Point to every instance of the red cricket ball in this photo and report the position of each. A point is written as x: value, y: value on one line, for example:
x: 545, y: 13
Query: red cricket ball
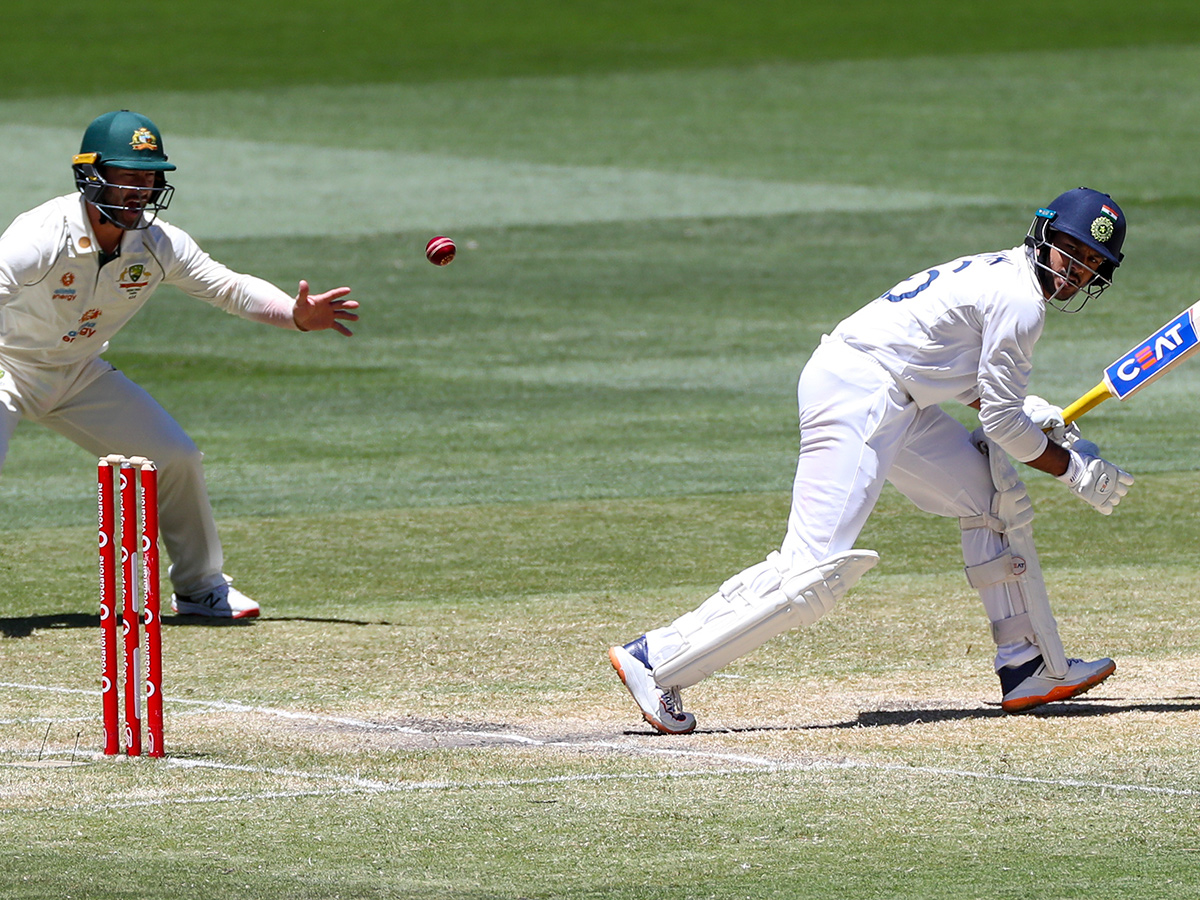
x: 440, y: 250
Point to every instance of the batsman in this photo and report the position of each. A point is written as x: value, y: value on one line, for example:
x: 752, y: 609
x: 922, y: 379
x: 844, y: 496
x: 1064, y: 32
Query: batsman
x: 73, y: 272
x: 870, y: 412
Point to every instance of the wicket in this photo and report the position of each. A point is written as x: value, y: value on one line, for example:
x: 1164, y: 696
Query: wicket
x: 139, y: 602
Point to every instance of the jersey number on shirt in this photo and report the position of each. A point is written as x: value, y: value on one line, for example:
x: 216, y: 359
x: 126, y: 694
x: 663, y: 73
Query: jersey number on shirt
x: 922, y: 280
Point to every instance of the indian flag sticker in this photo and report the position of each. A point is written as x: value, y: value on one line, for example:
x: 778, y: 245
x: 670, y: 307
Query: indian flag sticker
x: 1110, y: 212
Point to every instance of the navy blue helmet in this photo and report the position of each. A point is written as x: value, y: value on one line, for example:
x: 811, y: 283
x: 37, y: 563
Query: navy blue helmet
x: 1090, y: 217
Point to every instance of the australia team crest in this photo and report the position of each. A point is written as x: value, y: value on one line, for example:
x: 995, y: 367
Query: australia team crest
x: 133, y: 279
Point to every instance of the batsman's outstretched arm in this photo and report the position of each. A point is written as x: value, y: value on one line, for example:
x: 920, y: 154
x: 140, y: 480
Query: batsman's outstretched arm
x: 317, y: 312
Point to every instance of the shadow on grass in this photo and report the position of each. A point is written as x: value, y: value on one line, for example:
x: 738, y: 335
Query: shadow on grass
x: 1081, y: 708
x: 26, y: 626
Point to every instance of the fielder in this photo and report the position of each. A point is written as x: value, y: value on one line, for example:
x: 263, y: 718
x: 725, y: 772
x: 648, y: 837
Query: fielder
x: 869, y: 413
x: 73, y: 271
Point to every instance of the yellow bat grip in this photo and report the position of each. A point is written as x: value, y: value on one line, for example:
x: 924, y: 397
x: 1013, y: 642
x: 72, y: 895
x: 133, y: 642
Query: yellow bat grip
x: 1087, y: 402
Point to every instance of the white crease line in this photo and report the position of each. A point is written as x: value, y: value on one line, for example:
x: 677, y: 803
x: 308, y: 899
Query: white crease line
x: 630, y: 747
x: 1026, y: 779
x: 492, y: 735
x: 235, y: 707
x: 353, y: 780
x: 410, y: 787
x: 366, y: 725
x: 380, y: 788
x: 755, y: 763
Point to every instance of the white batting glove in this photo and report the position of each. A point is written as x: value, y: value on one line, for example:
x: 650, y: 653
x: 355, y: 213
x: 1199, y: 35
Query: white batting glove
x: 1049, y: 418
x: 1096, y: 481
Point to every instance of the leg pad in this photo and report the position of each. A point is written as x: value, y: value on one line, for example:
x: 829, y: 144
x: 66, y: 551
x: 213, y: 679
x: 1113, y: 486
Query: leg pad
x: 751, y: 609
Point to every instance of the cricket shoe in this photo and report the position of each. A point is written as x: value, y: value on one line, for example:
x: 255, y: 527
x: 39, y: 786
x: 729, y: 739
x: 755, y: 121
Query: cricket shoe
x: 1030, y: 685
x: 662, y: 709
x: 224, y: 602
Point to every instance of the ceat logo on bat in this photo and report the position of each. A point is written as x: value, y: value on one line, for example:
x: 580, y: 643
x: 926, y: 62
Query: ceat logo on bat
x: 1150, y: 357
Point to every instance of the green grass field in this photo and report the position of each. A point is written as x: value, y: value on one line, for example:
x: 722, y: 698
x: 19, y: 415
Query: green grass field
x: 581, y: 427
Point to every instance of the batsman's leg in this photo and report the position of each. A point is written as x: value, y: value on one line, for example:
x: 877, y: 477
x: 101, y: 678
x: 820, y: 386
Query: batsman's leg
x: 943, y: 472
x: 849, y: 431
x: 1051, y: 676
x: 749, y: 609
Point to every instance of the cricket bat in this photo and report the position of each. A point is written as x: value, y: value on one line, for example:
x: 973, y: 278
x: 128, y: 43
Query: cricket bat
x: 1147, y: 362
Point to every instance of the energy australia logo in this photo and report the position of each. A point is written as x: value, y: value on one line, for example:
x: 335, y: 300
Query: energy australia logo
x: 1174, y: 340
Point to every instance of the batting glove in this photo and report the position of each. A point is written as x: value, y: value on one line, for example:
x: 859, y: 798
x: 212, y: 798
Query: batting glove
x: 1049, y: 418
x: 1094, y: 480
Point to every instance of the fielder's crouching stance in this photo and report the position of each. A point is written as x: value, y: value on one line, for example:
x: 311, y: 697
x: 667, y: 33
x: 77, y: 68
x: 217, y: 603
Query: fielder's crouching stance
x: 73, y: 272
x: 869, y: 413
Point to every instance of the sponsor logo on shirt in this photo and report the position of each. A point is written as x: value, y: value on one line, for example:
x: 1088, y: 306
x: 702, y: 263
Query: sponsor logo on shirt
x: 67, y: 292
x: 86, y: 327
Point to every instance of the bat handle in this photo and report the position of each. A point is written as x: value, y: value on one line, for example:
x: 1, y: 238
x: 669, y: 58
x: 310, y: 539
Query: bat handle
x: 1087, y: 402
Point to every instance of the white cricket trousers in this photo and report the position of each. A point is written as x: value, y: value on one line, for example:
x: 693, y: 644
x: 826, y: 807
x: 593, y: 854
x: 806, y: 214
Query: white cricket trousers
x: 859, y: 429
x: 104, y: 412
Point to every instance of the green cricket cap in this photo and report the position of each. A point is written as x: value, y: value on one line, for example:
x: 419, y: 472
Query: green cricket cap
x: 124, y: 140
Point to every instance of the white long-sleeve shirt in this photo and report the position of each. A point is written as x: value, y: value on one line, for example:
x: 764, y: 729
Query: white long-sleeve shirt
x: 964, y: 331
x: 60, y: 307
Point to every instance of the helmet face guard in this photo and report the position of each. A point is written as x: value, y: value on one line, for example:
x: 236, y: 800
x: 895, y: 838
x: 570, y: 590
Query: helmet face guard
x: 1094, y: 220
x: 1040, y: 239
x: 98, y: 190
x: 122, y: 140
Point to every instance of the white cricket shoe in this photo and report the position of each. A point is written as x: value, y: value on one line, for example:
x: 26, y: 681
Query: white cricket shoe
x: 1031, y: 685
x: 224, y: 601
x: 662, y: 709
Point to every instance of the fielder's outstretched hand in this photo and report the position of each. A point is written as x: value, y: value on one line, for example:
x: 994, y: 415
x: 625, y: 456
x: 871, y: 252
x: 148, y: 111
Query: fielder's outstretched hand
x: 317, y: 312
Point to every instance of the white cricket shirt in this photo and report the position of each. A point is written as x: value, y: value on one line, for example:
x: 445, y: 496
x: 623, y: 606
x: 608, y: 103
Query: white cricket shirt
x: 59, y: 307
x: 964, y: 331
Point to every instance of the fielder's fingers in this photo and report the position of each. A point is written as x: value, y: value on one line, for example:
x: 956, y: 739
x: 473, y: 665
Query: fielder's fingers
x: 332, y: 296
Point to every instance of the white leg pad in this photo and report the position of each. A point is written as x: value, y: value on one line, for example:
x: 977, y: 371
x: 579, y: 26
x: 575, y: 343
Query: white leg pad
x: 751, y: 608
x: 1019, y: 566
